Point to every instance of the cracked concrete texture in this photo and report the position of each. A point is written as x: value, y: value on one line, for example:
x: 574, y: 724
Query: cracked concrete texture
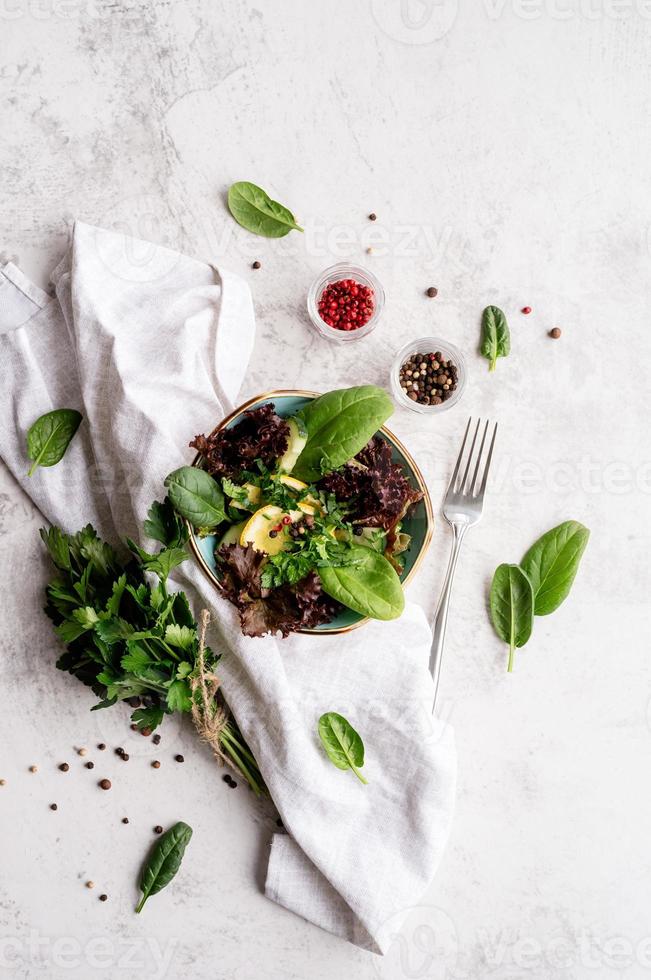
x: 505, y: 150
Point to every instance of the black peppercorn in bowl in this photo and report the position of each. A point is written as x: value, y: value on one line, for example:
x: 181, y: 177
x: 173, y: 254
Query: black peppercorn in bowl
x: 428, y: 375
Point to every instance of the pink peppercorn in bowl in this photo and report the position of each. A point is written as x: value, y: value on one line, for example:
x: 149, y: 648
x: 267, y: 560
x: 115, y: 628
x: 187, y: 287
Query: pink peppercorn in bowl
x: 428, y: 347
x: 345, y: 303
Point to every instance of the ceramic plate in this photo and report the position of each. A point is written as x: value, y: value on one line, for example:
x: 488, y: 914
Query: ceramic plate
x: 418, y: 524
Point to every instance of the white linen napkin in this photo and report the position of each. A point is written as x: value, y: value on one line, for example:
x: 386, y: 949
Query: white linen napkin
x: 152, y: 348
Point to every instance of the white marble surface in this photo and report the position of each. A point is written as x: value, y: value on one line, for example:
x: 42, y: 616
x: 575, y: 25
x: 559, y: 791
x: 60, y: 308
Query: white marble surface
x: 505, y: 149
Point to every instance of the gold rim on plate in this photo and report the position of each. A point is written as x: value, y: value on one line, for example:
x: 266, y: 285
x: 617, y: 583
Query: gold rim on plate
x: 429, y: 513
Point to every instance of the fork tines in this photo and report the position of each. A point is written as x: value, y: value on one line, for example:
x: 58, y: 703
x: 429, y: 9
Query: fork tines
x: 468, y: 486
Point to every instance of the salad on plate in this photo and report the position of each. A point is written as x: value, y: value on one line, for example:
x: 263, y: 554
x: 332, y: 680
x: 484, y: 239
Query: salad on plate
x: 304, y: 514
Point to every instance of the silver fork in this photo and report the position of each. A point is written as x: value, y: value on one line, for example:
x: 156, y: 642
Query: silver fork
x: 462, y: 509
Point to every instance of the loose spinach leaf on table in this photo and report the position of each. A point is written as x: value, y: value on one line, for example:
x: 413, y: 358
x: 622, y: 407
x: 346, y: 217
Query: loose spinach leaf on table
x: 196, y: 496
x: 342, y: 743
x: 511, y: 607
x: 339, y: 424
x: 50, y: 435
x: 495, y: 335
x: 368, y: 584
x: 254, y: 210
x: 164, y: 861
x: 552, y: 562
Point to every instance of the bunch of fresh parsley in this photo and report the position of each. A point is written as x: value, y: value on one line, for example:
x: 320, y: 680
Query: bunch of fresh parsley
x: 126, y: 635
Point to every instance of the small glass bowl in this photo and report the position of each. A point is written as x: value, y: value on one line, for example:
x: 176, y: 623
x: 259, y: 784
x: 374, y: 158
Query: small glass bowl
x: 427, y: 345
x: 345, y: 271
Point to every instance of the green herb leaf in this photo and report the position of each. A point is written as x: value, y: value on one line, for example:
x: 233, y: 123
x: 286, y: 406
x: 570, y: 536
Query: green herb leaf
x: 147, y: 717
x: 339, y: 424
x: 50, y: 435
x: 342, y: 743
x: 234, y: 491
x: 164, y: 524
x: 196, y: 496
x: 180, y: 636
x: 369, y: 584
x: 164, y: 861
x: 511, y: 607
x: 495, y: 335
x: 57, y: 545
x: 178, y: 696
x: 161, y: 564
x: 254, y: 210
x: 136, y: 660
x: 552, y: 562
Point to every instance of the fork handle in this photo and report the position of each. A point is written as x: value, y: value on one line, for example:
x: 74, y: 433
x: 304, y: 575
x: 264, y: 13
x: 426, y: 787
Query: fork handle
x: 441, y: 615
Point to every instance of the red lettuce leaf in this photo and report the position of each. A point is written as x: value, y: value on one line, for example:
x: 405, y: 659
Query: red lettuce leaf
x: 378, y: 491
x: 261, y: 434
x: 283, y: 610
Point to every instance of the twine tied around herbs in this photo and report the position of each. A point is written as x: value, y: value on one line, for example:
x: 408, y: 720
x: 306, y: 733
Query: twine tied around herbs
x: 210, y: 715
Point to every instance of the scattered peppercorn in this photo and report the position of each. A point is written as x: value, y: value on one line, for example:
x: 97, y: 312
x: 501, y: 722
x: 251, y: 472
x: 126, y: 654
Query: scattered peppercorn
x: 369, y: 250
x: 372, y: 216
x: 90, y: 884
x: 158, y: 829
x: 105, y: 783
x: 227, y: 778
x: 133, y: 727
x: 273, y: 533
x: 432, y: 291
x: 82, y: 752
x: 53, y: 806
x: 526, y: 309
x: 3, y: 782
x: 125, y: 820
x: 346, y: 304
x: 156, y: 739
x: 125, y: 756
x: 103, y: 898
x: 119, y: 751
x: 555, y: 333
x: 256, y: 264
x: 233, y: 784
x: 101, y: 746
x: 146, y: 732
x: 33, y: 768
x: 90, y: 765
x: 428, y: 378
x: 64, y: 767
x: 155, y: 764
x: 179, y: 758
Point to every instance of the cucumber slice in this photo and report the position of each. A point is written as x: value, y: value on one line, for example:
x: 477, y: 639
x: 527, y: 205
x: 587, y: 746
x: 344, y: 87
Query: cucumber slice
x: 296, y: 445
x: 231, y: 536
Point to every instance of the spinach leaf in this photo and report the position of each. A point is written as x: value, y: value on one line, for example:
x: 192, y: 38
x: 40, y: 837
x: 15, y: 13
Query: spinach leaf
x: 368, y: 584
x: 254, y: 210
x: 164, y: 861
x: 511, y: 607
x: 495, y: 335
x: 342, y: 743
x: 196, y: 496
x: 49, y: 437
x: 339, y: 424
x: 552, y: 563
